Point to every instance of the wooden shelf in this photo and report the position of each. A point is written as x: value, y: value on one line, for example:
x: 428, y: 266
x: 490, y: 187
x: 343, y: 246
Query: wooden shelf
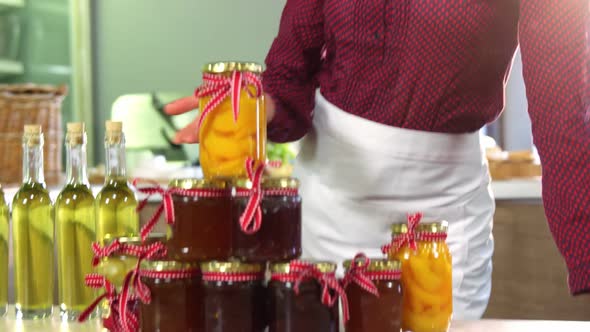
x: 10, y: 67
x: 12, y: 4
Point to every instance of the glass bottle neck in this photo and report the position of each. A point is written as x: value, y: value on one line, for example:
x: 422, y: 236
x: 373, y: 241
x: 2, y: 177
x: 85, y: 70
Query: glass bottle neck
x: 33, y: 163
x: 115, y: 160
x: 76, y: 164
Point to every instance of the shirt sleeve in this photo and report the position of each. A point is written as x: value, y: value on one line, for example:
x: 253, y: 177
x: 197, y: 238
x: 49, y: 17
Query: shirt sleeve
x: 291, y: 67
x: 556, y: 58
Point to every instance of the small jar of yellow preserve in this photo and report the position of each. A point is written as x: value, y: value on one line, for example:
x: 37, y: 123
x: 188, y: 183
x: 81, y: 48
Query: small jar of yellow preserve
x: 426, y: 274
x: 121, y: 258
x: 232, y: 120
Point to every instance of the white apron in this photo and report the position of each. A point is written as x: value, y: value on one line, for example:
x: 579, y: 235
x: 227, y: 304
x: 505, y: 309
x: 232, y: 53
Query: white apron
x: 358, y: 177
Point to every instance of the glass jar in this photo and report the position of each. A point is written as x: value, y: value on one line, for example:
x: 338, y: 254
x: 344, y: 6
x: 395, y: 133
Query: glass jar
x: 426, y: 277
x: 176, y: 297
x: 229, y: 136
x: 119, y: 263
x: 233, y: 297
x: 202, y: 228
x: 279, y: 236
x: 290, y: 310
x: 380, y: 311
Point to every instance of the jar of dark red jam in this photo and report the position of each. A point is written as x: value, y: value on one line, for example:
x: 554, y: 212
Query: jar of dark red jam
x: 279, y: 236
x: 377, y: 306
x: 202, y: 228
x: 233, y: 297
x: 176, y: 297
x: 292, y: 309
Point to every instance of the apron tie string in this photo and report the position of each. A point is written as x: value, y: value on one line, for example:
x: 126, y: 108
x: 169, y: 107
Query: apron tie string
x: 219, y: 87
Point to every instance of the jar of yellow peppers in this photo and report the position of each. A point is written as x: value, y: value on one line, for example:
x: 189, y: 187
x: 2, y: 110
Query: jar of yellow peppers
x: 426, y: 274
x: 232, y: 120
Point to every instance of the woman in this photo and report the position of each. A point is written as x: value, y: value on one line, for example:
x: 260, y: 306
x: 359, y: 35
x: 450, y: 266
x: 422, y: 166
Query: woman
x: 404, y: 87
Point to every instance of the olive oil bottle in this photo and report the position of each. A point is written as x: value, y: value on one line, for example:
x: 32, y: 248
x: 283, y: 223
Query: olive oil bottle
x: 32, y: 234
x: 3, y: 254
x: 74, y: 228
x: 115, y: 204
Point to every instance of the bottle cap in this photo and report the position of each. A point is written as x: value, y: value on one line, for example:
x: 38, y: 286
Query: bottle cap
x: 114, y: 126
x: 75, y: 127
x: 33, y: 129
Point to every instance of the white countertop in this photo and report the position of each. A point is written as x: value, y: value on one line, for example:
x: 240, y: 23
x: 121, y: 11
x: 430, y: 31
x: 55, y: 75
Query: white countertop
x: 55, y: 325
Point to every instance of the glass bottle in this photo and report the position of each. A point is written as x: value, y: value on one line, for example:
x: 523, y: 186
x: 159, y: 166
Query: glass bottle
x: 3, y: 254
x: 116, y: 203
x: 33, y: 234
x: 75, y: 228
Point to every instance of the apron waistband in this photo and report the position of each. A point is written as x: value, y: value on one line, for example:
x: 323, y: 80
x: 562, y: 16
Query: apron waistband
x: 393, y: 141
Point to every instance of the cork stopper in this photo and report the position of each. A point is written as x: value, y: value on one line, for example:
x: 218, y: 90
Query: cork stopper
x: 76, y: 127
x: 114, y: 126
x: 33, y: 129
x: 75, y: 133
x: 33, y: 135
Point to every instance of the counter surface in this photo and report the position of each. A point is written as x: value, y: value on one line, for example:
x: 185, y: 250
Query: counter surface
x: 529, y: 189
x: 7, y: 324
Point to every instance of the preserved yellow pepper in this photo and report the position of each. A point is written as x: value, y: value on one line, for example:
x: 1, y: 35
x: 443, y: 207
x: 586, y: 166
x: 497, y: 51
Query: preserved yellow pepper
x: 231, y: 134
x: 426, y: 276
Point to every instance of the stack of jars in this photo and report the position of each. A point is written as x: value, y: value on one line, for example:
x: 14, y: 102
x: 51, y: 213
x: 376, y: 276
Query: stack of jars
x: 234, y: 243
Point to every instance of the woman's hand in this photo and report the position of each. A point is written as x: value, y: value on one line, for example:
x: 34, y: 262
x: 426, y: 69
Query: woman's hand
x: 190, y: 133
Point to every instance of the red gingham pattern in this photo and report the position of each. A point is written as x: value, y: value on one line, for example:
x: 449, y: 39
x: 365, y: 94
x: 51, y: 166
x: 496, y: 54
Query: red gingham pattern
x: 358, y: 274
x: 153, y: 250
x: 167, y: 205
x: 251, y: 218
x: 133, y: 282
x: 219, y: 87
x: 114, y: 322
x: 281, y: 192
x: 441, y: 66
x: 303, y: 271
x: 172, y: 274
x: 232, y: 276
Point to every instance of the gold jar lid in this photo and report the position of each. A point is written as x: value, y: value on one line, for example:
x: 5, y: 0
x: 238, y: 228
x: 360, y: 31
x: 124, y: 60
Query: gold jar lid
x: 136, y: 240
x: 377, y: 265
x: 426, y: 227
x: 224, y: 67
x: 280, y: 183
x: 322, y: 266
x: 231, y: 267
x: 159, y: 265
x: 197, y: 184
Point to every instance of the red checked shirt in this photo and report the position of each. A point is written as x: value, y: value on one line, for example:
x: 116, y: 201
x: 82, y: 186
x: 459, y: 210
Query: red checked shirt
x: 441, y: 65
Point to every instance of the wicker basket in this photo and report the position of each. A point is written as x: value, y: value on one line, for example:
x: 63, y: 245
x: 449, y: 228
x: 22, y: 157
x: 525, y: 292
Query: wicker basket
x: 30, y: 104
